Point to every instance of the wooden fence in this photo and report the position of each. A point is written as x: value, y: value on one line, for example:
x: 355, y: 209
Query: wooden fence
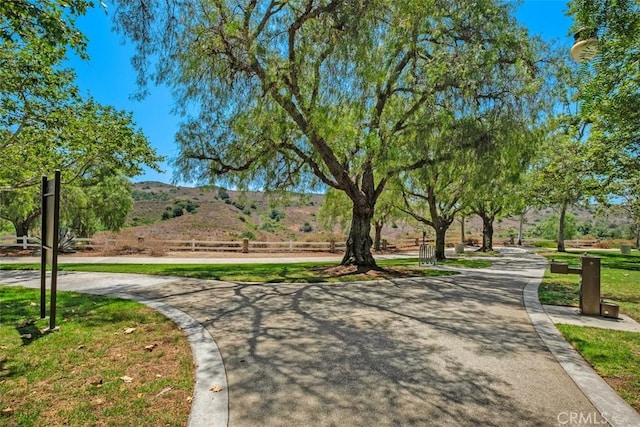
x: 243, y: 246
x: 23, y: 242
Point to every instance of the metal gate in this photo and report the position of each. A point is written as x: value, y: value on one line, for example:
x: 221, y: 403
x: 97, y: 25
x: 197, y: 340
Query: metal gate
x: 427, y: 255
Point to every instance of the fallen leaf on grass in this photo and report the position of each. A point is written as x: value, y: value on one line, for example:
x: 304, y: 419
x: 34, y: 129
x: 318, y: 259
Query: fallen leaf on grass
x: 150, y: 347
x: 96, y: 383
x: 158, y: 375
x: 126, y: 379
x: 129, y: 330
x: 33, y: 304
x: 80, y: 347
x: 216, y: 389
x: 7, y: 411
x: 163, y: 391
x: 189, y: 399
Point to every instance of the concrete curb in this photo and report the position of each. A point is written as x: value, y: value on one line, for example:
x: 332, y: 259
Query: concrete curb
x: 611, y: 406
x: 208, y: 409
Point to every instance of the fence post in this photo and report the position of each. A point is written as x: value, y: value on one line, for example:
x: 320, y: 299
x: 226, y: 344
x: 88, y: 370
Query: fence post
x: 332, y: 246
x: 25, y: 240
x: 193, y: 245
x: 245, y: 246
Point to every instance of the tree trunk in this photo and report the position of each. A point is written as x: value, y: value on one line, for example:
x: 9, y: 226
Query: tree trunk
x: 378, y: 234
x: 563, y: 213
x: 487, y: 233
x: 22, y: 226
x: 638, y: 236
x: 441, y: 232
x: 520, y: 227
x: 358, y: 250
x: 462, y: 230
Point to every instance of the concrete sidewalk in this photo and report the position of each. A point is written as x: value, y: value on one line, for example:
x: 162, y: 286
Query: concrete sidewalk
x: 456, y: 350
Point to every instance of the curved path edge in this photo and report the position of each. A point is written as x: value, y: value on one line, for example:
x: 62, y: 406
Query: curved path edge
x: 611, y: 406
x: 208, y: 408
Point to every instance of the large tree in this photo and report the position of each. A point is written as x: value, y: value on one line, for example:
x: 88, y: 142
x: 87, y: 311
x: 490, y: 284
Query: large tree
x: 319, y: 92
x: 609, y: 83
x: 35, y: 37
x: 94, y: 146
x: 336, y: 208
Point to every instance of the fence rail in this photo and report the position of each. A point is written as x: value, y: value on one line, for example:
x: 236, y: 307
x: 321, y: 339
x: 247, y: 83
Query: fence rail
x: 23, y: 242
x: 192, y: 245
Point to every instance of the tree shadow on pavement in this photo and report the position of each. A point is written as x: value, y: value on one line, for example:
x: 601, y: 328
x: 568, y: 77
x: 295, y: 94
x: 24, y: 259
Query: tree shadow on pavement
x: 424, y: 351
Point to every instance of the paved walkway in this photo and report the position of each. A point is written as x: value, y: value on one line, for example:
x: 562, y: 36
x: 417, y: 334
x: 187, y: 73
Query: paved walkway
x: 456, y: 350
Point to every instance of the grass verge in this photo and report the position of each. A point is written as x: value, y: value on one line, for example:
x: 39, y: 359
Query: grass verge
x: 309, y: 272
x: 620, y: 281
x: 613, y: 354
x: 91, y: 372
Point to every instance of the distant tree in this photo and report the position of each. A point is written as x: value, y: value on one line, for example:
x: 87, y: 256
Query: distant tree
x: 564, y: 172
x: 548, y: 227
x: 94, y: 147
x: 434, y: 196
x: 627, y: 191
x: 87, y: 205
x: 306, y: 93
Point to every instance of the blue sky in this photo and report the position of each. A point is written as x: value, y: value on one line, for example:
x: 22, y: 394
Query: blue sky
x: 109, y: 77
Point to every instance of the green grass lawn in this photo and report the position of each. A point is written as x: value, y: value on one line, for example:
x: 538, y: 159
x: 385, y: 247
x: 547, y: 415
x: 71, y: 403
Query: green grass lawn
x: 308, y: 272
x: 620, y: 280
x: 615, y: 355
x: 75, y: 376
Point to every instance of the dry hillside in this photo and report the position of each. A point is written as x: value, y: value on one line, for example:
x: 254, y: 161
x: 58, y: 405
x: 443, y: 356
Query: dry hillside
x: 212, y: 213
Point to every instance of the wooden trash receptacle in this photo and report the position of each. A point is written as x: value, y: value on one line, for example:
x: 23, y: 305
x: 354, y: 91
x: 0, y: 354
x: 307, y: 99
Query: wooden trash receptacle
x: 609, y: 309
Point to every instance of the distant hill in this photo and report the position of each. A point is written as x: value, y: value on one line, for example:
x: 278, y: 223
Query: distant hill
x: 213, y: 213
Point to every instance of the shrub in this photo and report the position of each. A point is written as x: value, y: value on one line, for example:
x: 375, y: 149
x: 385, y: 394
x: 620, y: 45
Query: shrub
x: 276, y: 215
x: 222, y: 193
x: 243, y: 219
x: 190, y: 206
x: 268, y: 226
x: 307, y: 228
x: 248, y: 235
x: 603, y: 244
x: 178, y: 211
x: 227, y: 201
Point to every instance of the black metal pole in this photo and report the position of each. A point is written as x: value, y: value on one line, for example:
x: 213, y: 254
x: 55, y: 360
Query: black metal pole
x: 54, y: 250
x: 43, y: 250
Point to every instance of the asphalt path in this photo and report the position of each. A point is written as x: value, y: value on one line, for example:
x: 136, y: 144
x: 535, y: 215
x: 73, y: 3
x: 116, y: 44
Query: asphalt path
x: 445, y: 351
